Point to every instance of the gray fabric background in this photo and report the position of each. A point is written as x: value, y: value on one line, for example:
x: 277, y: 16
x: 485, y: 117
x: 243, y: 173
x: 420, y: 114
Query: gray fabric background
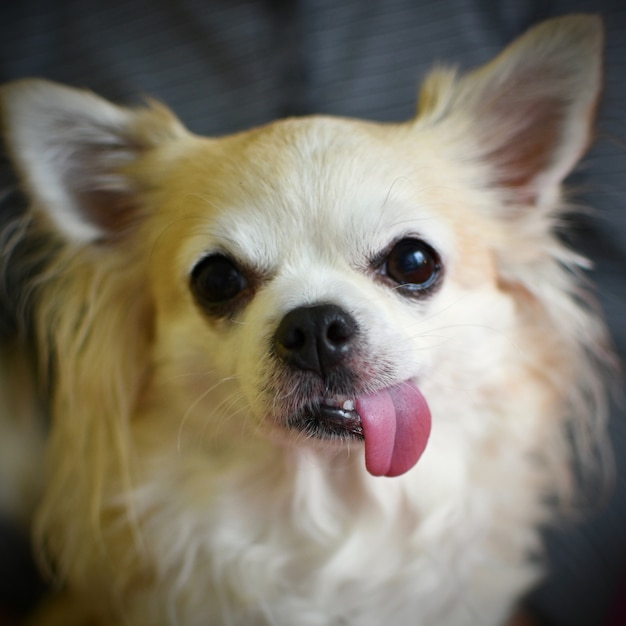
x: 225, y: 65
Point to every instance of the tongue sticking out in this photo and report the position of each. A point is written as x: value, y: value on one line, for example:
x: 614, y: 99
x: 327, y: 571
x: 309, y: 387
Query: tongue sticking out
x: 396, y: 426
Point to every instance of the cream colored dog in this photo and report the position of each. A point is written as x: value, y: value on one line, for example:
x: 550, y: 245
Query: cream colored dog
x: 320, y: 373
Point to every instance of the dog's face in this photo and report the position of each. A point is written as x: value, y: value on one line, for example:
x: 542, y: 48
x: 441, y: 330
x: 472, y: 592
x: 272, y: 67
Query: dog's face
x: 317, y: 271
x: 325, y: 281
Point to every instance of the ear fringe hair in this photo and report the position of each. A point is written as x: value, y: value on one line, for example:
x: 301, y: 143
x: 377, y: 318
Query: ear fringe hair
x: 94, y: 326
x: 560, y: 305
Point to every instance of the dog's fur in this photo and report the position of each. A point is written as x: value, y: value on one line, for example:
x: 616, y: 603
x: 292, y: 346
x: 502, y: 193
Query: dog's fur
x: 178, y: 489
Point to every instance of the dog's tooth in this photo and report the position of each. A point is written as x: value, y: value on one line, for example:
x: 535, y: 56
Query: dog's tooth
x: 348, y: 405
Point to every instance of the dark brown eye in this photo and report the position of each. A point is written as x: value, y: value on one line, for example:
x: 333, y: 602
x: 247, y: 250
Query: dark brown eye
x: 413, y: 265
x: 216, y: 281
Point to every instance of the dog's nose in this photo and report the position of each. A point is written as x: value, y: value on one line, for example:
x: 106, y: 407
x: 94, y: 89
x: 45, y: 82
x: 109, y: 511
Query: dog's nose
x: 315, y: 337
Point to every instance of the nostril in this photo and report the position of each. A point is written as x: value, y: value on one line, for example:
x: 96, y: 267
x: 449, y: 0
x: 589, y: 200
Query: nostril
x: 339, y: 332
x: 293, y: 338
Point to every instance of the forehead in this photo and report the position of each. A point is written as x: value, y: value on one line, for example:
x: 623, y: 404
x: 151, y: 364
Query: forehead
x: 322, y: 183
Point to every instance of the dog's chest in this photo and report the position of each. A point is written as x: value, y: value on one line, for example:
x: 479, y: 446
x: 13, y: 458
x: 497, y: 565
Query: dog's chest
x: 320, y: 548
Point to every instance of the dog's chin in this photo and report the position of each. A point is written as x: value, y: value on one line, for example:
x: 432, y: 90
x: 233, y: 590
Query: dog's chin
x: 332, y: 421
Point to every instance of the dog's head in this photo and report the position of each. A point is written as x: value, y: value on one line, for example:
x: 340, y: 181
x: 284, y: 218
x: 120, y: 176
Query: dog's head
x: 326, y: 278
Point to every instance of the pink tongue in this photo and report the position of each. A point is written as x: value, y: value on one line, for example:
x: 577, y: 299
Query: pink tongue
x: 396, y: 426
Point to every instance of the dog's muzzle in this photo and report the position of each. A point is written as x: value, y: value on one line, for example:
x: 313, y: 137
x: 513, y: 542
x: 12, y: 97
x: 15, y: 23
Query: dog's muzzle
x: 320, y: 342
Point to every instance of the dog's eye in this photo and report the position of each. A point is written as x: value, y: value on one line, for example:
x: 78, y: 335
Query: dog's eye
x: 413, y: 264
x: 216, y: 281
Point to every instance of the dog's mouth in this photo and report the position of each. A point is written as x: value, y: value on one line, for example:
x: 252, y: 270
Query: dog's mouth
x: 329, y: 419
x: 394, y: 424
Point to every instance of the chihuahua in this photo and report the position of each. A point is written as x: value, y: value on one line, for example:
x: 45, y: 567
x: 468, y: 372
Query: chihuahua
x: 324, y: 372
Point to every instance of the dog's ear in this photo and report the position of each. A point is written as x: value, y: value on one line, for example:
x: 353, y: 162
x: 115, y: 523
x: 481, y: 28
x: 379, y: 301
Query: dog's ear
x: 530, y: 111
x: 73, y: 151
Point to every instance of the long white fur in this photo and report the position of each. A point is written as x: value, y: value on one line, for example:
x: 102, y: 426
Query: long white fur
x: 172, y: 495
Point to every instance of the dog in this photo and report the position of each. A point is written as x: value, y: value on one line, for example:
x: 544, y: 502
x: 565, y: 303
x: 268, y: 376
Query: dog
x: 322, y: 372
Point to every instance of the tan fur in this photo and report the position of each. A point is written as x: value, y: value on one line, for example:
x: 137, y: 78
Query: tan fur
x: 174, y: 493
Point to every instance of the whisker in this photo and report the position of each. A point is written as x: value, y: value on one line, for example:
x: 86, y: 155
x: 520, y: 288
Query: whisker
x: 194, y: 404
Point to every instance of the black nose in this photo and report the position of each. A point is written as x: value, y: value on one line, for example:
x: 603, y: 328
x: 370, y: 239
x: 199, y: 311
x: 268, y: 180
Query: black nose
x: 315, y: 337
